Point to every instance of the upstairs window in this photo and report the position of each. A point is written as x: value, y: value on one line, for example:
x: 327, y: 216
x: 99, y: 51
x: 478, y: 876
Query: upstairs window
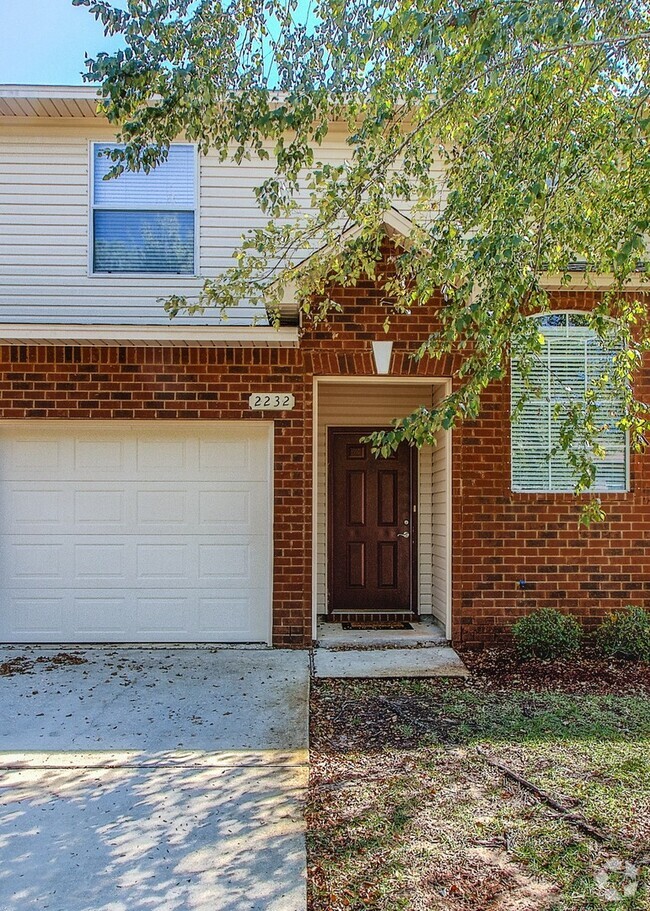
x: 144, y: 223
x: 572, y: 359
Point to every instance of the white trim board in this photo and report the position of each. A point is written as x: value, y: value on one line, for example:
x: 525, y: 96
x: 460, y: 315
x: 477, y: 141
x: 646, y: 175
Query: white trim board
x: 438, y: 386
x: 148, y: 336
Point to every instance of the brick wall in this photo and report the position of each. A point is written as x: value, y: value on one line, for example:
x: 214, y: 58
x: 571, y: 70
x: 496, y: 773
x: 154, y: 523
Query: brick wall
x: 502, y: 537
x: 186, y: 384
x: 498, y: 537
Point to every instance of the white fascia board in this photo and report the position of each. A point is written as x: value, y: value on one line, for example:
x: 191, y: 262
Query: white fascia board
x: 154, y: 336
x: 591, y: 281
x: 45, y: 92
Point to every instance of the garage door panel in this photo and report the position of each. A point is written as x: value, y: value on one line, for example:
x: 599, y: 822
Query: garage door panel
x: 234, y: 459
x: 33, y: 616
x: 122, y: 451
x: 76, y: 563
x: 103, y: 457
x: 39, y: 559
x: 128, y: 533
x: 244, y: 509
x: 99, y: 561
x: 165, y: 616
x: 163, y: 507
x: 67, y: 562
x: 224, y: 616
x: 32, y: 457
x: 163, y: 562
x: 98, y: 508
x: 102, y: 617
x: 31, y: 508
x: 134, y: 508
x: 161, y: 457
x: 227, y: 616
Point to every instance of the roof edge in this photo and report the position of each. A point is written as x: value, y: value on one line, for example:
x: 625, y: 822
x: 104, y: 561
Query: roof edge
x: 17, y: 90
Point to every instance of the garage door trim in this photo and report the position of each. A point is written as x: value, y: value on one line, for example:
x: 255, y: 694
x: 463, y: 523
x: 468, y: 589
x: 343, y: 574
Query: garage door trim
x: 260, y: 441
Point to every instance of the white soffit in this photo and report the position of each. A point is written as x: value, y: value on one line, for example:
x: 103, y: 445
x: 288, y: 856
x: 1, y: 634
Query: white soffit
x: 149, y: 336
x: 49, y: 101
x: 591, y: 281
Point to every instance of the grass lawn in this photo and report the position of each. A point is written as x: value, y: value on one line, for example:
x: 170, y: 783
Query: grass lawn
x: 406, y: 811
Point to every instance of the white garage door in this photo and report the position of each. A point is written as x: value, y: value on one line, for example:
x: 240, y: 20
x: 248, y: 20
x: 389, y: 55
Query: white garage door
x: 135, y: 532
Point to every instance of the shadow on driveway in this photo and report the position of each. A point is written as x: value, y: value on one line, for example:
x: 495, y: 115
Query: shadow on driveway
x: 154, y: 779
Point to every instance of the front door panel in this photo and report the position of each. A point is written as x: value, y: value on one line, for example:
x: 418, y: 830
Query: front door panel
x: 371, y: 527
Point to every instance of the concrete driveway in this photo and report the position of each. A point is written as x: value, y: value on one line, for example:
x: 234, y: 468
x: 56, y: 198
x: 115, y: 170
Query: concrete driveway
x: 157, y: 779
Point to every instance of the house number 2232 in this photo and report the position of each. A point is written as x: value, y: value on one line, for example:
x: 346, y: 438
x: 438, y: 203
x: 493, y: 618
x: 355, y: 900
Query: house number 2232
x: 271, y: 401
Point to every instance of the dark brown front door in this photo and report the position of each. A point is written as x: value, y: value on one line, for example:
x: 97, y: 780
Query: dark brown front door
x: 371, y: 527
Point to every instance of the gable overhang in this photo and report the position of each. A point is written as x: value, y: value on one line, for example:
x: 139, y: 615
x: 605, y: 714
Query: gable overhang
x: 396, y: 226
x: 579, y: 279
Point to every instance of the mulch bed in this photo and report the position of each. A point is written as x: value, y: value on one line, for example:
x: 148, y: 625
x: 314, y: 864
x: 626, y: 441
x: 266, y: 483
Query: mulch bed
x: 587, y: 672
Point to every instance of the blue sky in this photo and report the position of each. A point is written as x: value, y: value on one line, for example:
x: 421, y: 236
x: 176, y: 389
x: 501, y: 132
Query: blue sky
x: 43, y: 41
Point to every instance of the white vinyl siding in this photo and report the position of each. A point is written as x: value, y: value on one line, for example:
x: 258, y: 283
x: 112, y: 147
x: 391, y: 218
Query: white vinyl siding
x: 375, y: 405
x: 45, y: 229
x: 144, y: 222
x: 571, y: 361
x: 441, y: 523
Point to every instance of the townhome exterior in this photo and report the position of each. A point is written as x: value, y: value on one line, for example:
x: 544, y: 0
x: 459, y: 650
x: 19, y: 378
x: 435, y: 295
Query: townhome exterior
x: 204, y: 481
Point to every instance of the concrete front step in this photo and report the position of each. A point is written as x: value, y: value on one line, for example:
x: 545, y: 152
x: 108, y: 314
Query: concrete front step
x: 333, y: 636
x: 388, y: 662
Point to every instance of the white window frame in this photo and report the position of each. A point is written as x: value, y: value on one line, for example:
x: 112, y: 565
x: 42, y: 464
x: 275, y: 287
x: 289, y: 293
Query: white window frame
x: 550, y: 490
x: 91, y: 220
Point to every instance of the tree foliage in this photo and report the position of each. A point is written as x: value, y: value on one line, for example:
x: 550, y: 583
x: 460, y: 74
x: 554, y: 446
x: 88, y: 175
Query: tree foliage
x: 537, y: 110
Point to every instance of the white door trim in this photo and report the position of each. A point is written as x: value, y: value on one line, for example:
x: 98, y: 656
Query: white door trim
x: 317, y: 382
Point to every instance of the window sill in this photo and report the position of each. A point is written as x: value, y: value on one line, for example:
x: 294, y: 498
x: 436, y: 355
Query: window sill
x: 569, y: 493
x: 142, y: 275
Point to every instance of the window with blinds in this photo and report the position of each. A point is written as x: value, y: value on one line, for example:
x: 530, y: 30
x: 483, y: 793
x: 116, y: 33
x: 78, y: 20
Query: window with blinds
x: 144, y: 222
x: 573, y: 359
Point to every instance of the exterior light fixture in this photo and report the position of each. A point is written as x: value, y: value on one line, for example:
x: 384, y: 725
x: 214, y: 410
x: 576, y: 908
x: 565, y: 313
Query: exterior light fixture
x: 381, y: 352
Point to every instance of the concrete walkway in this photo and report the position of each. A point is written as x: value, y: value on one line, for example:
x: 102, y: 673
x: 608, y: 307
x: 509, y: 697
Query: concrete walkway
x: 153, y: 780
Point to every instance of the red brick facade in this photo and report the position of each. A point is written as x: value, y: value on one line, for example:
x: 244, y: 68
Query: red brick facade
x: 501, y: 537
x: 498, y: 537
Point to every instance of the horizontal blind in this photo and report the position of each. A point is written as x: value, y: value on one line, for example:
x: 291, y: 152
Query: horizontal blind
x: 127, y: 241
x: 171, y: 185
x: 572, y: 360
x: 145, y: 223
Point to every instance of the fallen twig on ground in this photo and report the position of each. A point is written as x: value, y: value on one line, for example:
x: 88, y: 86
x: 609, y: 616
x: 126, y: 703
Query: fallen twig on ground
x: 576, y: 819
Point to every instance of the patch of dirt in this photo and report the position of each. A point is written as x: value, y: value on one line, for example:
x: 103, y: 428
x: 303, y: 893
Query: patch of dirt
x: 25, y: 665
x: 485, y: 878
x: 587, y: 673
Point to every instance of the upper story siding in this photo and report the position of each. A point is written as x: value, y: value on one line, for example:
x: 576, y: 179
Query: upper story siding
x: 44, y: 228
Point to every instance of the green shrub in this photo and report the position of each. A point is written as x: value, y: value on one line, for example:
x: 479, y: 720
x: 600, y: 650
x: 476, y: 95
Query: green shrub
x: 546, y: 633
x: 625, y: 634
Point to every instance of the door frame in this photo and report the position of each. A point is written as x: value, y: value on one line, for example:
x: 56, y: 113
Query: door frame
x: 444, y: 385
x: 413, y: 527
